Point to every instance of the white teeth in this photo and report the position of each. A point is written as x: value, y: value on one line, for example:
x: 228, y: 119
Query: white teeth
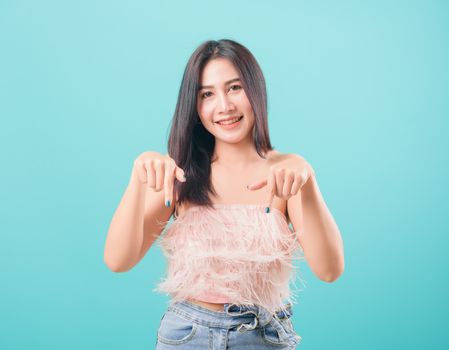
x: 229, y: 121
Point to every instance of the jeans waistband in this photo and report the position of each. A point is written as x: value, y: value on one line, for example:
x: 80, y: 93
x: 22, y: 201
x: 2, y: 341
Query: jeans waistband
x: 233, y: 315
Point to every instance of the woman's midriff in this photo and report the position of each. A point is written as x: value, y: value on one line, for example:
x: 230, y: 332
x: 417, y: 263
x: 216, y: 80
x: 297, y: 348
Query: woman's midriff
x: 210, y: 306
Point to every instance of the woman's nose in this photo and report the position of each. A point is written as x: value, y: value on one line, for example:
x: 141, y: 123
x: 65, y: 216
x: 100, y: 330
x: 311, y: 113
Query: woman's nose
x: 225, y: 104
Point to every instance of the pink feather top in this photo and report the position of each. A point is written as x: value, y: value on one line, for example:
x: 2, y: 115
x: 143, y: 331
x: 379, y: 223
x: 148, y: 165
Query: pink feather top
x: 233, y: 253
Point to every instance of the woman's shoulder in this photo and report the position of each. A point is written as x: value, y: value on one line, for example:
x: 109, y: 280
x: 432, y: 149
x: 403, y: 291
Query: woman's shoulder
x: 275, y: 156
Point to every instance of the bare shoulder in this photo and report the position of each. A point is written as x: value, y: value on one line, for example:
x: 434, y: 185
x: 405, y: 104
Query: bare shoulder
x: 275, y: 157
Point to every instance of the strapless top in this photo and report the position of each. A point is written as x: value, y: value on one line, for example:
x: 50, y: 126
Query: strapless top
x: 231, y: 253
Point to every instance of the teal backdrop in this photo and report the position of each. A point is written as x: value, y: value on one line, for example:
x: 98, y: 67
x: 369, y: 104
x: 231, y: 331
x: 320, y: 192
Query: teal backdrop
x: 358, y: 88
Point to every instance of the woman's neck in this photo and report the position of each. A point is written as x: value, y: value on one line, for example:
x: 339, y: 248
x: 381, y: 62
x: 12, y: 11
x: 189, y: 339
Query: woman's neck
x: 235, y: 155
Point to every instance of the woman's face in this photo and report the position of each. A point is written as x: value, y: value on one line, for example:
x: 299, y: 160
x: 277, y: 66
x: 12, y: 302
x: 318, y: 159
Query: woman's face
x: 221, y: 96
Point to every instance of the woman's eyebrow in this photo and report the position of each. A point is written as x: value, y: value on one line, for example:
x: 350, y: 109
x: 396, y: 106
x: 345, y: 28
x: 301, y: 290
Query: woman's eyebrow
x: 228, y: 82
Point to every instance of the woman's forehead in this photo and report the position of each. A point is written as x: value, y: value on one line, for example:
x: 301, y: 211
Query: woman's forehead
x: 217, y: 72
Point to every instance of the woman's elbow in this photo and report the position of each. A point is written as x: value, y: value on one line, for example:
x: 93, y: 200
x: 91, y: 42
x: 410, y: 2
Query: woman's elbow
x: 334, y: 274
x: 114, y: 266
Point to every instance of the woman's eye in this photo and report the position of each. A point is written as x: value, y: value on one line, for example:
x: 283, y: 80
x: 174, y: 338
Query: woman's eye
x: 208, y: 93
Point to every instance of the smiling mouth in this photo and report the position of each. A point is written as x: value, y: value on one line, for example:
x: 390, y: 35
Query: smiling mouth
x: 230, y: 121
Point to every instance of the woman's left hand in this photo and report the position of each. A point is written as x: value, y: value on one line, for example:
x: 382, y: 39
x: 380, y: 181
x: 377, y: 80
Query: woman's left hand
x: 285, y: 178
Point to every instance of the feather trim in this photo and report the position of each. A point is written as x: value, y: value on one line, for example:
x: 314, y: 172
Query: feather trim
x: 235, y: 252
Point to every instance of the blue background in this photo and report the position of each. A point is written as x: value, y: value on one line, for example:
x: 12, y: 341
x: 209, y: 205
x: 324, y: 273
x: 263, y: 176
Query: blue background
x: 359, y: 88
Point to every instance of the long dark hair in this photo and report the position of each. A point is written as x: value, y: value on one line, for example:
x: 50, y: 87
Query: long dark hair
x: 190, y: 144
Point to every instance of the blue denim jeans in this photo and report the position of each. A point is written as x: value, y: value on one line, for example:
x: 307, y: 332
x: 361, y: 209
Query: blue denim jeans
x: 189, y: 326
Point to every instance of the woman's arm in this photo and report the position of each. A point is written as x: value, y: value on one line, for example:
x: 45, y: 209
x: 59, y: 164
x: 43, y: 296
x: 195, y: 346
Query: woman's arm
x: 134, y: 226
x: 318, y: 233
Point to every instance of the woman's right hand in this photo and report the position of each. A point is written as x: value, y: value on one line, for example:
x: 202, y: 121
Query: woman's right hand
x: 158, y: 172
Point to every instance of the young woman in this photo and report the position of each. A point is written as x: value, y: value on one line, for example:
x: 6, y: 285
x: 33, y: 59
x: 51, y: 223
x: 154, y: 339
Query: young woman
x: 230, y: 247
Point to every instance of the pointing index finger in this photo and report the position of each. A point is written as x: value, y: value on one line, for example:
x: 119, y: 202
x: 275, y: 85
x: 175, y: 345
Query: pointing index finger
x: 271, y: 187
x: 257, y: 185
x: 169, y: 184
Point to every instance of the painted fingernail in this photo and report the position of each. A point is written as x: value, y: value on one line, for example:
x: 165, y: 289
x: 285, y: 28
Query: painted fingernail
x: 267, y: 210
x: 167, y: 204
